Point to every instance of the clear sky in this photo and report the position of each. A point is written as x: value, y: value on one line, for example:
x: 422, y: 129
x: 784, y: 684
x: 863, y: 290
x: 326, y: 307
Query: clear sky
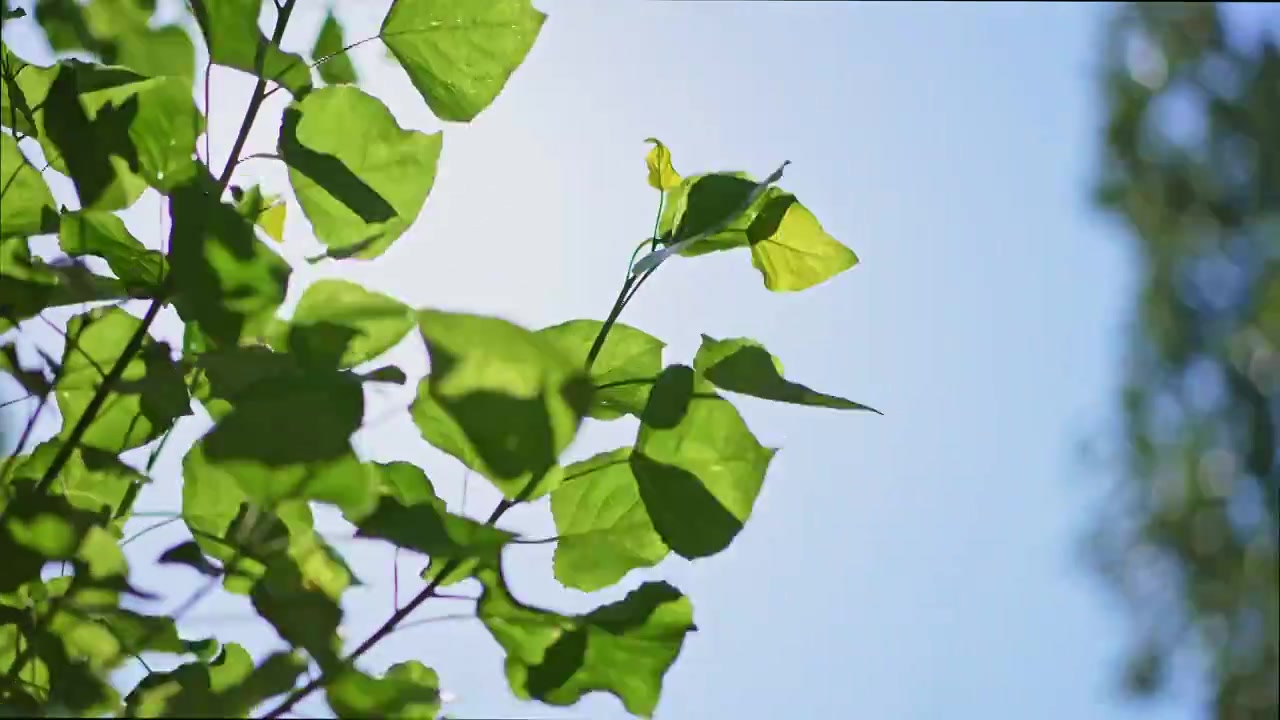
x: 921, y: 565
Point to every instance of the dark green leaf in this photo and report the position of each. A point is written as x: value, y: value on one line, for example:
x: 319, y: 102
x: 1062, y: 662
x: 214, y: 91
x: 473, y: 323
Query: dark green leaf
x: 94, y: 232
x: 459, y: 53
x: 623, y: 372
x: 501, y: 399
x: 698, y: 466
x: 304, y: 617
x: 337, y: 69
x: 146, y: 400
x: 26, y: 205
x: 188, y: 553
x: 265, y: 211
x: 603, y: 527
x: 409, y: 690
x: 226, y: 282
x: 91, y: 480
x: 742, y: 365
x: 624, y: 648
x: 33, y: 381
x: 231, y: 32
x: 430, y: 529
x: 357, y: 188
x: 29, y: 285
x: 229, y: 686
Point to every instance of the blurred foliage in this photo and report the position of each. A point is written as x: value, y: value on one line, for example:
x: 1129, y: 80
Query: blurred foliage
x: 1192, y: 169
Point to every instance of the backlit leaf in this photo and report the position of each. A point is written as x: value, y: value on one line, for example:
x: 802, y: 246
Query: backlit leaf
x: 662, y: 176
x: 503, y: 400
x: 225, y: 281
x: 340, y: 324
x: 26, y: 205
x: 356, y: 188
x: 337, y: 69
x: 232, y: 34
x: 94, y: 232
x: 409, y: 690
x: 267, y: 212
x: 146, y: 400
x: 603, y: 527
x: 623, y: 371
x: 460, y: 53
x: 790, y: 248
x: 742, y: 365
x: 29, y: 285
x: 698, y: 466
x: 624, y: 648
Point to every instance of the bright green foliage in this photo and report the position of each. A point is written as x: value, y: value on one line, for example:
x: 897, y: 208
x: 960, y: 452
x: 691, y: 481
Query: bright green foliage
x: 603, y: 525
x: 790, y: 248
x: 339, y: 324
x: 26, y: 205
x: 144, y: 403
x: 622, y: 374
x: 409, y: 690
x: 94, y: 232
x: 742, y: 365
x: 337, y: 69
x: 459, y: 53
x: 360, y: 190
x: 283, y: 397
x: 230, y: 29
x: 623, y: 648
x: 503, y: 400
x: 698, y: 466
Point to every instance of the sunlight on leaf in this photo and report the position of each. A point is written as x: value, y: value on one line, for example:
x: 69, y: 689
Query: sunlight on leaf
x: 356, y: 188
x: 662, y: 176
x: 742, y: 365
x: 460, y: 53
x: 623, y: 372
x: 232, y: 34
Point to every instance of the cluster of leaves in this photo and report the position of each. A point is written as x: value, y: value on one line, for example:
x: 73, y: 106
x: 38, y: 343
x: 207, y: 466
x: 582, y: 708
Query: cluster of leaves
x: 1191, y: 535
x: 503, y: 400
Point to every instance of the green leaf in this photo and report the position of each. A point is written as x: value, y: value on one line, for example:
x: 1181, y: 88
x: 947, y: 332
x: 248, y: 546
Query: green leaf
x: 357, y: 188
x: 23, y: 86
x: 790, y: 248
x: 91, y: 480
x: 409, y: 690
x: 603, y: 527
x: 339, y: 324
x: 228, y: 686
x: 503, y: 400
x: 430, y: 529
x: 33, y: 381
x: 458, y: 53
x: 337, y: 69
x: 304, y: 617
x: 698, y: 466
x: 266, y: 211
x: 246, y: 538
x: 231, y: 32
x: 114, y: 132
x: 154, y: 52
x: 26, y: 204
x: 623, y: 372
x: 225, y: 281
x: 713, y: 203
x: 662, y: 176
x: 94, y: 232
x: 742, y: 365
x: 29, y: 285
x: 188, y: 553
x: 289, y: 439
x: 146, y: 400
x: 624, y: 648
x: 37, y: 527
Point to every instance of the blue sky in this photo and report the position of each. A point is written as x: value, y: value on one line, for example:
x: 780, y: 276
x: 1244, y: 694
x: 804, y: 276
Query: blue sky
x: 920, y: 565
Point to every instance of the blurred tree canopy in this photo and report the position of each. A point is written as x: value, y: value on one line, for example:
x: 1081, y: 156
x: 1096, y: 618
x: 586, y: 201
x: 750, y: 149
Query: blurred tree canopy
x: 1191, y: 168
